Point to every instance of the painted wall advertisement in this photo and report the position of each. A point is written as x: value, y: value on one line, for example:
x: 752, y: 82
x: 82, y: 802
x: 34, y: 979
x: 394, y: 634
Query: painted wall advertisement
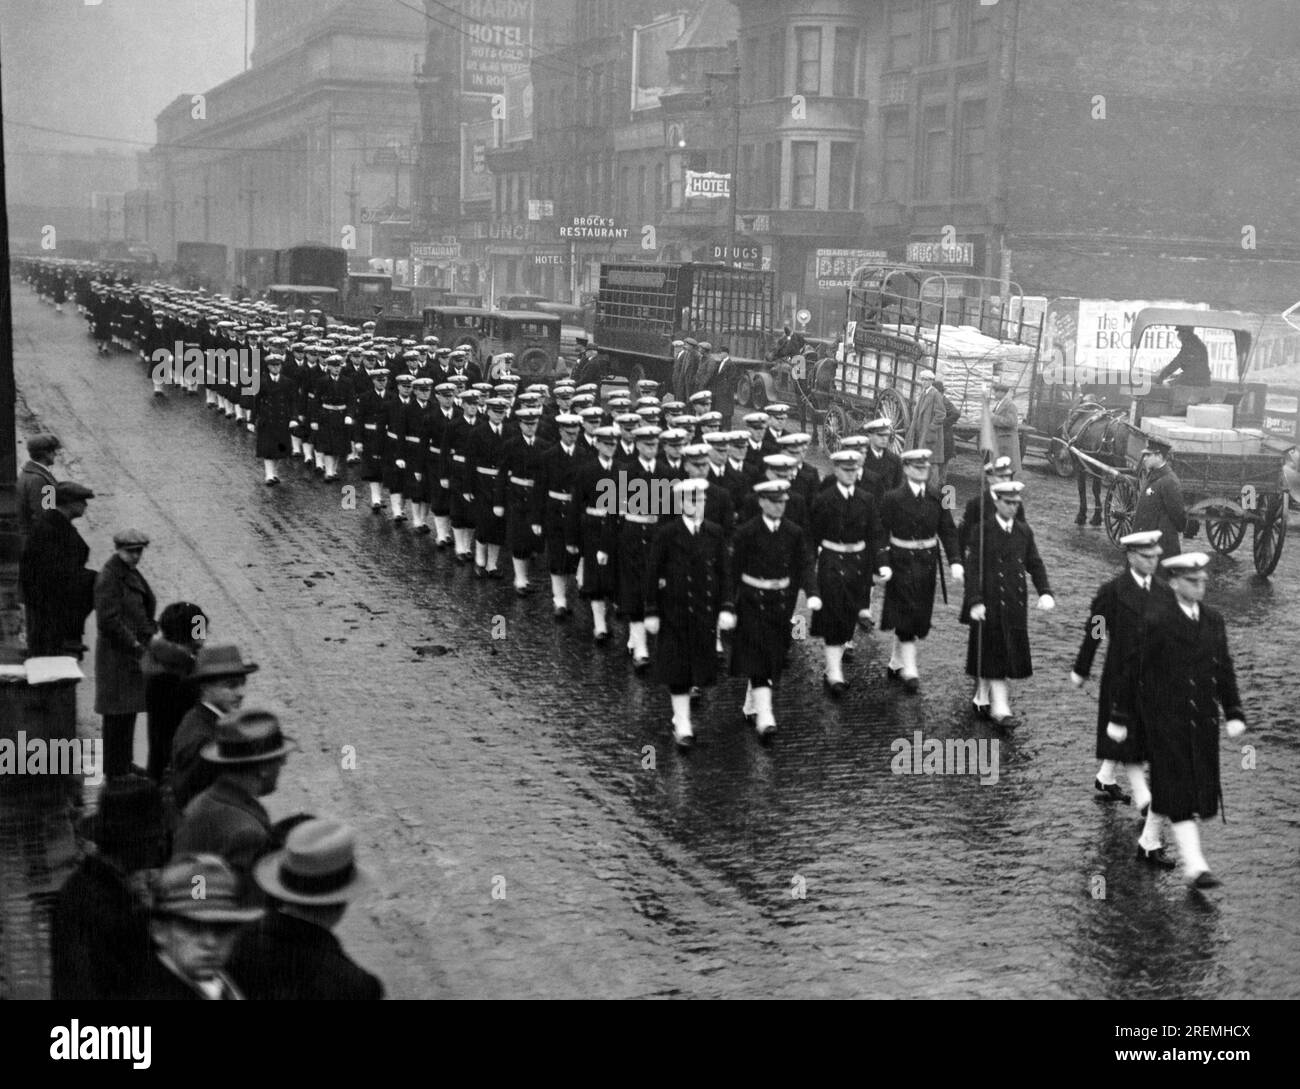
x: 835, y: 268
x: 1087, y: 341
x: 475, y: 177
x: 496, y: 44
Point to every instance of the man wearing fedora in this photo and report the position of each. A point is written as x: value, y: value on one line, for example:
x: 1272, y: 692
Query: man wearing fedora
x: 124, y: 611
x: 221, y: 675
x: 292, y: 952
x: 1006, y: 424
x: 58, y: 588
x: 99, y: 935
x: 227, y: 818
x: 194, y: 936
x: 925, y: 432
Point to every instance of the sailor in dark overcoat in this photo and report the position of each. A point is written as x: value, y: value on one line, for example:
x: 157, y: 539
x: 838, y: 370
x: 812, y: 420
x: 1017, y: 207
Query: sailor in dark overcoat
x: 687, y: 580
x: 981, y: 507
x: 846, y: 530
x: 916, y: 522
x: 516, y: 494
x: 640, y: 489
x: 396, y: 448
x: 593, y: 529
x: 772, y: 561
x: 456, y: 440
x: 552, y: 503
x: 420, y: 423
x: 335, y: 406
x: 1177, y: 685
x: 309, y: 407
x: 439, y: 427
x: 1160, y: 498
x: 996, y: 604
x: 273, y: 409
x: 368, y: 434
x: 1116, y: 614
x: 485, y: 453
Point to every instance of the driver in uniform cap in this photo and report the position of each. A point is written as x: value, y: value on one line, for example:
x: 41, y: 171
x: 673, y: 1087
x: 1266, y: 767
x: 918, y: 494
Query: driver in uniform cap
x: 1160, y: 502
x: 916, y: 523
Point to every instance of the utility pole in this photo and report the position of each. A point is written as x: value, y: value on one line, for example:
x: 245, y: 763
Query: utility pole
x: 146, y: 214
x: 735, y: 155
x: 352, y: 195
x: 251, y: 196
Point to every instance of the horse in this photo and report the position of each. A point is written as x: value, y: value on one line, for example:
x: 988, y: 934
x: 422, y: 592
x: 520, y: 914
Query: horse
x: 1104, y: 435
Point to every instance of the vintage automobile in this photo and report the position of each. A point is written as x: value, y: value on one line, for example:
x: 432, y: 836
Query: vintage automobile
x: 532, y: 337
x: 457, y: 326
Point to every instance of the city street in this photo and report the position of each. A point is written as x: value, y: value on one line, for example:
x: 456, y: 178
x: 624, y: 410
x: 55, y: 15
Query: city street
x: 532, y: 830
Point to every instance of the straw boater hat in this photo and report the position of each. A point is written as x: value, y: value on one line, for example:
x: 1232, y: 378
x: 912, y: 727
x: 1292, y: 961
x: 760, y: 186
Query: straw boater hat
x: 316, y: 866
x: 174, y: 892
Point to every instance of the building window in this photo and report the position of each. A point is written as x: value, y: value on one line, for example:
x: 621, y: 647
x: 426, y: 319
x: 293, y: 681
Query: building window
x: 935, y: 172
x: 893, y: 180
x: 746, y: 183
x: 808, y: 61
x: 776, y: 65
x: 749, y: 69
x: 642, y: 196
x: 624, y: 191
x: 769, y: 187
x: 660, y: 195
x: 803, y: 174
x: 979, y: 38
x: 843, y: 155
x: 971, y: 143
x: 939, y: 44
x: 844, y: 83
x: 903, y: 21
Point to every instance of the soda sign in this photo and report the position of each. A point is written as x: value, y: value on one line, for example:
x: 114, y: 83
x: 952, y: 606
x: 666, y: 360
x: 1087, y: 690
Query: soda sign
x: 699, y: 184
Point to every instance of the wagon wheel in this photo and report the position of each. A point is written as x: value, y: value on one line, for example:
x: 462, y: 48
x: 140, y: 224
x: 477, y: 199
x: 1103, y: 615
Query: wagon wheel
x: 1062, y: 460
x: 1270, y: 532
x: 1120, y: 504
x: 1223, y: 530
x: 835, y: 428
x: 744, y: 390
x: 890, y: 403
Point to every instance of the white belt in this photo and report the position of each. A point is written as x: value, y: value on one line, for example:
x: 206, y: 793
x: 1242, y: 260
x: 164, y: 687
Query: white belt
x: 334, y: 408
x: 435, y: 450
x: 391, y: 434
x: 521, y: 482
x: 458, y: 457
x: 595, y: 512
x: 371, y: 427
x: 563, y: 497
x: 929, y: 542
x: 413, y: 438
x: 486, y: 471
x: 765, y: 584
x: 837, y: 546
x: 641, y: 519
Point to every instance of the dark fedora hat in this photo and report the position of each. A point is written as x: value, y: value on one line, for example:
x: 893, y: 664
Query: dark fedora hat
x: 221, y: 660
x: 316, y: 866
x: 248, y: 736
x: 130, y: 813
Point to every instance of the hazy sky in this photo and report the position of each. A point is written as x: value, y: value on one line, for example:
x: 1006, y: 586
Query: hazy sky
x: 109, y: 68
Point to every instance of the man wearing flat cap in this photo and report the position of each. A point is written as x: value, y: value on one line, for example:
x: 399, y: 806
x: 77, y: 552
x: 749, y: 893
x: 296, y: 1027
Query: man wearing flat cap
x: 194, y: 936
x: 1160, y: 498
x: 36, y: 480
x: 58, y: 588
x: 1177, y: 683
x: 227, y: 818
x: 292, y: 953
x: 124, y: 612
x: 1116, y: 615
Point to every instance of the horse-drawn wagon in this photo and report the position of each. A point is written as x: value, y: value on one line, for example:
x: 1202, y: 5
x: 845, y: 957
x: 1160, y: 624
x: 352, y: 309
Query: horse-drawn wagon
x: 903, y: 320
x: 1229, y: 461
